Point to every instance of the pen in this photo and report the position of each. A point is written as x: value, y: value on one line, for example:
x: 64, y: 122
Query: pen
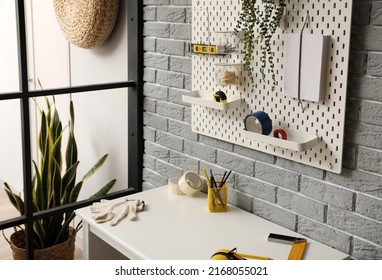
x: 213, y: 182
x: 222, y: 180
x: 229, y: 173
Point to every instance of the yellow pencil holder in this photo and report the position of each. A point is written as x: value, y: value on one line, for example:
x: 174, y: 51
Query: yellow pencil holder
x: 218, y: 199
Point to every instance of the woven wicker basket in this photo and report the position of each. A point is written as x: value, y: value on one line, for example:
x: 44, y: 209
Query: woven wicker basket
x: 62, y: 251
x: 86, y: 23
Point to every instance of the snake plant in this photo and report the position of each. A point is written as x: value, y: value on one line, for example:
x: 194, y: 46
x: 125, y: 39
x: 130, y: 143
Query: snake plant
x: 54, y: 183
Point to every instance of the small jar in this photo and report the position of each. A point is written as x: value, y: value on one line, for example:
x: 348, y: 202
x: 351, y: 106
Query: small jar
x: 227, y: 73
x: 227, y: 41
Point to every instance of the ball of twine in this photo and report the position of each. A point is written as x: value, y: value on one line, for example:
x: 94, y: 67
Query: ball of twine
x: 86, y: 23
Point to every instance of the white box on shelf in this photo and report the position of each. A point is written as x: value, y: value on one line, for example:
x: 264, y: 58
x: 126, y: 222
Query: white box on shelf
x: 314, y: 59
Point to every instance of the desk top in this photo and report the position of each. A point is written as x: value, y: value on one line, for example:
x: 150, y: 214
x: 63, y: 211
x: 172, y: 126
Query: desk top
x: 179, y: 227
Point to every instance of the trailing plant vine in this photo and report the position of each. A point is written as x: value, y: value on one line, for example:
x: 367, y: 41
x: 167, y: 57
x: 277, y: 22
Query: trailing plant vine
x: 266, y: 19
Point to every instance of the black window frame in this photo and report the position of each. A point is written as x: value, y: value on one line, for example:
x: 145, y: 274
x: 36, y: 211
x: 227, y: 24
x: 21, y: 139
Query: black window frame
x: 134, y: 85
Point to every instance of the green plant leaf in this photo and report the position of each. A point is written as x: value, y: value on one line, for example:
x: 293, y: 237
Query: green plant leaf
x: 95, y: 168
x: 72, y: 119
x: 73, y: 196
x: 57, y: 183
x: 263, y: 18
x: 43, y: 134
x: 71, y: 151
x: 15, y: 199
x: 68, y: 180
x: 71, y: 154
x: 64, y: 231
x: 39, y: 194
x: 40, y: 235
x: 105, y: 189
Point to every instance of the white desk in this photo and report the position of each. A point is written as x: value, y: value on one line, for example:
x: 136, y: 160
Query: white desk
x: 177, y: 227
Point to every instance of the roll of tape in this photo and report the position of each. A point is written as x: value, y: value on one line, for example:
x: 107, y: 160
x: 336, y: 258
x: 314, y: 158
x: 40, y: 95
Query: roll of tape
x: 190, y: 183
x: 280, y: 133
x: 258, y: 122
x: 220, y: 96
x: 173, y: 186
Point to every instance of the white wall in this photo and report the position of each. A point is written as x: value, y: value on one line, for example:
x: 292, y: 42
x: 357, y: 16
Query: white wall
x: 101, y: 116
x: 9, y: 68
x: 10, y: 131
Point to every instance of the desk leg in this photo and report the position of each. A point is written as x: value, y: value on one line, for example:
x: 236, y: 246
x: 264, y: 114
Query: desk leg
x: 85, y: 238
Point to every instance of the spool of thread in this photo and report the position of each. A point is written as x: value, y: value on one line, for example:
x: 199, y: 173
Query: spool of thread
x: 190, y: 183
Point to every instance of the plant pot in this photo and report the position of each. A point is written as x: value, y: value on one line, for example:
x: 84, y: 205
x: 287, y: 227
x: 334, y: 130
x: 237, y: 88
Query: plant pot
x: 62, y: 251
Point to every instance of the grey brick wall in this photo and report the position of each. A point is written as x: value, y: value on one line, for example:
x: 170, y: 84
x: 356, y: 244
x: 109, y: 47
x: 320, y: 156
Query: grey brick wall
x: 343, y: 211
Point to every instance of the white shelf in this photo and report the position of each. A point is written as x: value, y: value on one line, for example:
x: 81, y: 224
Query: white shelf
x: 195, y: 98
x: 296, y: 141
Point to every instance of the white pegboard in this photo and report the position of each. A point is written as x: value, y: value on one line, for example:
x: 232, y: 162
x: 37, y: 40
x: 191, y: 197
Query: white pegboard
x: 324, y: 119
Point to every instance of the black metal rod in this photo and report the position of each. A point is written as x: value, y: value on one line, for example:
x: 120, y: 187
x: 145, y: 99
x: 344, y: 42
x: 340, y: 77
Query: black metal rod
x: 25, y: 125
x: 135, y: 96
x: 13, y: 222
x: 68, y: 90
x: 9, y: 96
x: 80, y: 89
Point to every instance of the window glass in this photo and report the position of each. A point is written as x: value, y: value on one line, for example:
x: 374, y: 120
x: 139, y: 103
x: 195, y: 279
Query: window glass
x: 11, y: 170
x: 9, y: 65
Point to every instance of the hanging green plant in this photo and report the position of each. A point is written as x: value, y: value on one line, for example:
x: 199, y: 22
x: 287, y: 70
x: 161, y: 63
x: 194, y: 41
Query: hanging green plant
x: 266, y: 18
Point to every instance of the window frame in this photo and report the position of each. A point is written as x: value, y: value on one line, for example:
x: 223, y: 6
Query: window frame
x: 134, y: 85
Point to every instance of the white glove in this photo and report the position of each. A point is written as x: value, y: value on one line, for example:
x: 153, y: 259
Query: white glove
x: 104, y: 209
x: 114, y: 211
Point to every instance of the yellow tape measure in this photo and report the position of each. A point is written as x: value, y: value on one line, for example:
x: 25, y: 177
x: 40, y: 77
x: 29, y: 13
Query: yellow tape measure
x: 297, y: 251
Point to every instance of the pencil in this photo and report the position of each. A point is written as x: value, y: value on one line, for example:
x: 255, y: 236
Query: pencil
x: 207, y: 178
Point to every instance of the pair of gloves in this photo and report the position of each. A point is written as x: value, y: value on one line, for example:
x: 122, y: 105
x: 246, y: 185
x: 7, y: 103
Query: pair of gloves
x: 114, y: 211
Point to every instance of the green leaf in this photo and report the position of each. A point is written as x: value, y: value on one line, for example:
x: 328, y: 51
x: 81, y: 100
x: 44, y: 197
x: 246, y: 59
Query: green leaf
x: 105, y: 189
x: 71, y: 151
x: 57, y: 184
x: 39, y: 193
x: 64, y: 231
x: 73, y: 196
x: 40, y: 233
x: 15, y: 199
x: 68, y: 181
x: 43, y: 134
x: 71, y: 109
x: 96, y: 166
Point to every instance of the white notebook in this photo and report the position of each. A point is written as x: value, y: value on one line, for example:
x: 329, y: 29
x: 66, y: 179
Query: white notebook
x: 314, y: 60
